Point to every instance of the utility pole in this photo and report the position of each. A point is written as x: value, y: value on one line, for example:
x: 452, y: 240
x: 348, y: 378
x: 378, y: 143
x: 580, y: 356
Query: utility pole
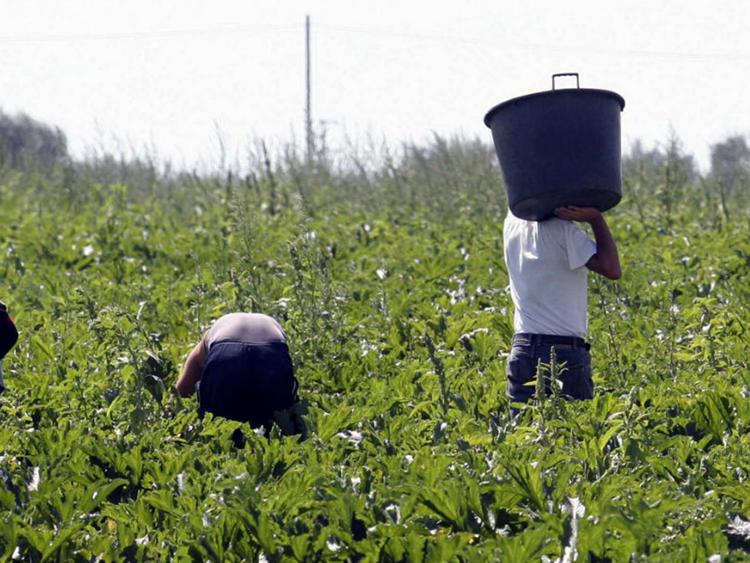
x: 308, y: 111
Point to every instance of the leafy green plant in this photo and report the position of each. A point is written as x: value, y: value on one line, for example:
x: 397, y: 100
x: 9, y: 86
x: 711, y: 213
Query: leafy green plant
x: 392, y: 288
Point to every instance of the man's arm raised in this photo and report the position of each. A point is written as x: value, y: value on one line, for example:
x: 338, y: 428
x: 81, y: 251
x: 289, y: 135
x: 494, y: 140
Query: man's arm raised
x: 606, y: 261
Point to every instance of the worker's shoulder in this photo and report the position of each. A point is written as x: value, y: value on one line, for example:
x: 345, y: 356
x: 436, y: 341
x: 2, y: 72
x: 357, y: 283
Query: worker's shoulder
x: 513, y: 224
x: 554, y: 224
x: 556, y: 227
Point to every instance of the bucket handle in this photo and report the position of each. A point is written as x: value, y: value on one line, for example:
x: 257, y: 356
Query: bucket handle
x: 565, y: 74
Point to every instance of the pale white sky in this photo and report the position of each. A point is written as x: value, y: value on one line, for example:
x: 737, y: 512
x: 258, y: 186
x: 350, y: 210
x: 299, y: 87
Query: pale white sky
x: 168, y: 73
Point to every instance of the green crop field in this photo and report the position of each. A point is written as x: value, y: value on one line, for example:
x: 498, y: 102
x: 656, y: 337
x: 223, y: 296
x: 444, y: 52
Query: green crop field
x: 391, y: 285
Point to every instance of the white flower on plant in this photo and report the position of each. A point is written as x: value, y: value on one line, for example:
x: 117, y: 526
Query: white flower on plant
x: 35, y: 480
x: 577, y: 510
x: 468, y: 336
x: 394, y: 511
x: 739, y: 527
x: 366, y: 347
x: 333, y: 543
x: 352, y: 435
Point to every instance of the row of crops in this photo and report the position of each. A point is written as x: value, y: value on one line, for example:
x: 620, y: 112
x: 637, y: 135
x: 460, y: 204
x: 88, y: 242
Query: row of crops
x: 399, y: 321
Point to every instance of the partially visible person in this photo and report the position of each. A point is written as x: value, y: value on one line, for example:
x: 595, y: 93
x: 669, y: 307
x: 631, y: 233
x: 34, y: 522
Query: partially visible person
x: 241, y: 369
x: 8, y: 338
x: 548, y: 264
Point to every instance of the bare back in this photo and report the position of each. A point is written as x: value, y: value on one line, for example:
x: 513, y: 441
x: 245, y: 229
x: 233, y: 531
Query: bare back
x: 251, y: 328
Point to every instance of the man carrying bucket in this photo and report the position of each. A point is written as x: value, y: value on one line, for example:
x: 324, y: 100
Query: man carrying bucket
x: 548, y: 263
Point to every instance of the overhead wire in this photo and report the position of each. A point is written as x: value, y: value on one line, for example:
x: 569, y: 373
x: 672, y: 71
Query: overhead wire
x: 538, y: 46
x: 145, y: 34
x: 379, y: 32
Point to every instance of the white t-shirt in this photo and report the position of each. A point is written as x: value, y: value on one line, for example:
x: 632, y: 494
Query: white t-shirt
x: 546, y: 263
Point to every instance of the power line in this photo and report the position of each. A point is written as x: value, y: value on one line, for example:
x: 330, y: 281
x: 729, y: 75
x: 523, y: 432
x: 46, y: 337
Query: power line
x: 453, y: 39
x: 539, y: 46
x: 152, y: 34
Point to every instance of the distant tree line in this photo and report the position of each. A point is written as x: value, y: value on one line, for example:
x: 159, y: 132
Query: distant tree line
x: 667, y: 178
x: 443, y: 173
x: 28, y: 143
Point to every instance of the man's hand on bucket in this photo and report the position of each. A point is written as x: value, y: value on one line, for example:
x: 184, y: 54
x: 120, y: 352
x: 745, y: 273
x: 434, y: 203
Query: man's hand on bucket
x: 583, y: 214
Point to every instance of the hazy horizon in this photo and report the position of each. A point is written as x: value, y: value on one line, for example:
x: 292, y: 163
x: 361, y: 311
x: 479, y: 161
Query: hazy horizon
x: 170, y: 75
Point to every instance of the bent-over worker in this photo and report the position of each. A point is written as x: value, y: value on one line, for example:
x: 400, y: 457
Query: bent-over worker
x: 242, y: 369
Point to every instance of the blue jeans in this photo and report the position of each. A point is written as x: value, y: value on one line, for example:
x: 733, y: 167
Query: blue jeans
x: 526, y: 352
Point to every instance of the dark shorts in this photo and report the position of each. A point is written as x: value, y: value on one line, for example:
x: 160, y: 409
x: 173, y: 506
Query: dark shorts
x: 247, y: 382
x: 524, y: 356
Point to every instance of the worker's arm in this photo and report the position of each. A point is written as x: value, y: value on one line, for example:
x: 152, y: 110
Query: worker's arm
x: 192, y: 370
x: 606, y: 260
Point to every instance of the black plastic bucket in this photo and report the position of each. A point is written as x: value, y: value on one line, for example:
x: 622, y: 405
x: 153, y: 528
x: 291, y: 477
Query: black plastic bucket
x: 557, y: 148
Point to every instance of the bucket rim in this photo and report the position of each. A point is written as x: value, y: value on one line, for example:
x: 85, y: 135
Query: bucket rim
x: 556, y: 92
